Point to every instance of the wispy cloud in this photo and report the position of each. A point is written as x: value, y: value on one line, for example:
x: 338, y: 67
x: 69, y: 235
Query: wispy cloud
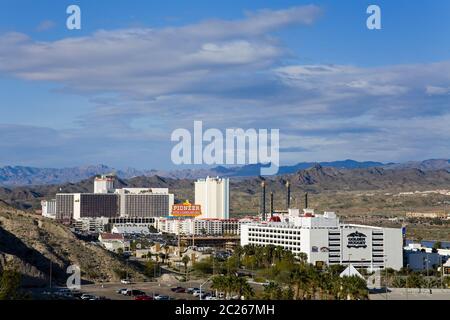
x: 45, y: 25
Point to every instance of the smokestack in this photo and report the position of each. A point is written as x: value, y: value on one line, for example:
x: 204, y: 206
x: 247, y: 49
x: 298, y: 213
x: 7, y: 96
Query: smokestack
x: 271, y: 204
x: 288, y: 195
x: 263, y: 200
x: 306, y: 200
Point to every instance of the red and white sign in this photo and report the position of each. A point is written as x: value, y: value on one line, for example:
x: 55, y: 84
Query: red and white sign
x: 186, y: 210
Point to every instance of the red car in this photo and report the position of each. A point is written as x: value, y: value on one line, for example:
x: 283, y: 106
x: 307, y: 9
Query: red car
x: 143, y: 298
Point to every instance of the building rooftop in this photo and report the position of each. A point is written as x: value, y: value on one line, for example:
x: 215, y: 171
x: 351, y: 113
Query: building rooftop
x: 111, y: 236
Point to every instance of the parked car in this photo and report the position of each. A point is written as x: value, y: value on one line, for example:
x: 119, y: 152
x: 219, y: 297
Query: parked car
x: 191, y: 290
x: 162, y: 297
x: 121, y: 291
x: 125, y: 281
x: 178, y: 290
x: 86, y: 296
x: 143, y: 297
x: 134, y: 293
x: 196, y: 292
x: 124, y: 291
x: 77, y: 295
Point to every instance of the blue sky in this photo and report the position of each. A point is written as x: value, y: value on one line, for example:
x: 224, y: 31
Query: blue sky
x: 114, y: 91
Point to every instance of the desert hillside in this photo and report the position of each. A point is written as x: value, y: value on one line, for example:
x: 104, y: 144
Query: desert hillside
x: 30, y: 244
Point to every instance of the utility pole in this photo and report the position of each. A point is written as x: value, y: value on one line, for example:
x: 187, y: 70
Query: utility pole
x: 51, y: 267
x: 263, y: 201
x: 407, y: 276
x: 126, y: 270
x: 179, y: 243
x: 386, y: 277
x: 428, y: 275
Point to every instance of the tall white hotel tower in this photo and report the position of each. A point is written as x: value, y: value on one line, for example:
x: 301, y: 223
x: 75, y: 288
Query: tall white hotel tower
x: 213, y: 194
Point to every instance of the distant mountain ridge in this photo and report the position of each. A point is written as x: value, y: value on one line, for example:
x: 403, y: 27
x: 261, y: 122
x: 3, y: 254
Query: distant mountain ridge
x: 244, y: 190
x: 25, y: 176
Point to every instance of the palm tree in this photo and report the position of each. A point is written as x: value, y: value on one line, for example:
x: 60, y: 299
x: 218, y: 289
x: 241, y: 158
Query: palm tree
x: 272, y: 291
x: 218, y: 284
x: 259, y: 256
x: 243, y: 288
x: 300, y: 281
x: 313, y: 280
x: 238, y: 251
x: 162, y: 256
x: 303, y: 257
x: 249, y: 250
x: 354, y: 288
x: 166, y: 249
x: 268, y: 252
x: 185, y: 261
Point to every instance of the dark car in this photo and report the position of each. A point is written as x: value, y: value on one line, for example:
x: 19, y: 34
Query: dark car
x: 178, y: 290
x: 135, y: 293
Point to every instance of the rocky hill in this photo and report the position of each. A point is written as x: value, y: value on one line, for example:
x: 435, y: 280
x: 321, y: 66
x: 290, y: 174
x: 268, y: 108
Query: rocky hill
x: 30, y: 244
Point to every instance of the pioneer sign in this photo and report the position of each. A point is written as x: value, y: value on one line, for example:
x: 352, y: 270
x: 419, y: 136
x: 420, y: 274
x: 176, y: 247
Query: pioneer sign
x: 356, y: 240
x: 186, y: 210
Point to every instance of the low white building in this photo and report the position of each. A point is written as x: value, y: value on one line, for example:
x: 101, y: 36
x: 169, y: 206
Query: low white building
x: 114, y: 242
x: 91, y: 225
x: 218, y: 227
x: 49, y: 208
x: 326, y: 241
x: 130, y: 229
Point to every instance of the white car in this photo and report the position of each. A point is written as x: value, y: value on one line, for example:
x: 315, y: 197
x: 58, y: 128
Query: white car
x: 86, y: 296
x: 121, y: 291
x: 196, y: 293
x: 125, y: 281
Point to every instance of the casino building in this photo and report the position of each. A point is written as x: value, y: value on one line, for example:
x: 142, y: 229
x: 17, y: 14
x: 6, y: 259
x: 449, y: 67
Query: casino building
x: 106, y: 202
x: 327, y: 241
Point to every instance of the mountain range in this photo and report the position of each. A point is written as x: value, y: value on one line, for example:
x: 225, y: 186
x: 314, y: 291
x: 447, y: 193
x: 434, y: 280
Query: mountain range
x: 245, y: 190
x: 13, y: 176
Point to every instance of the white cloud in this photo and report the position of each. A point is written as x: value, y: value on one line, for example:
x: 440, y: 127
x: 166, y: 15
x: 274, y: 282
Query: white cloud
x: 150, y: 62
x: 45, y: 25
x: 435, y: 90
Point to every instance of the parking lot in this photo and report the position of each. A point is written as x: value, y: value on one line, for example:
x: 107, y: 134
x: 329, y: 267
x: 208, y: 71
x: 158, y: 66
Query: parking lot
x: 109, y: 290
x: 412, y: 294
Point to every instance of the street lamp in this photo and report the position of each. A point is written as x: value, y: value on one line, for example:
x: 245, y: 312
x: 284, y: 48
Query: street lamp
x: 386, y: 276
x: 207, y: 280
x: 428, y: 275
x: 406, y: 285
